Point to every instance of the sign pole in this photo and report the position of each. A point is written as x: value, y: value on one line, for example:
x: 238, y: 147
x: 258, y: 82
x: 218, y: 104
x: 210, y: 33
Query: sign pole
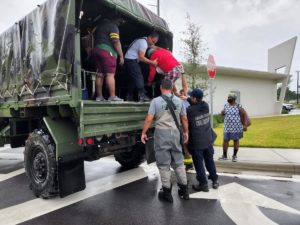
x: 211, y: 70
x: 211, y: 103
x: 297, y: 87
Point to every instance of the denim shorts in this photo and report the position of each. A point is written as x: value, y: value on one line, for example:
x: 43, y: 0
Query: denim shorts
x: 232, y: 136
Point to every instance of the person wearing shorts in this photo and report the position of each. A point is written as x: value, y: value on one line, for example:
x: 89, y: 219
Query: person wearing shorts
x: 233, y: 127
x: 166, y: 65
x: 108, y: 48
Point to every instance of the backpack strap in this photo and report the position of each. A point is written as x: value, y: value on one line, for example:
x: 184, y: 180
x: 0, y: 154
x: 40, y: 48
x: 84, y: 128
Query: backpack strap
x: 171, y: 106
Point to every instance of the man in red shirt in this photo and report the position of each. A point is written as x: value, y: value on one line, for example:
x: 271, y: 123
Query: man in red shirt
x: 166, y: 65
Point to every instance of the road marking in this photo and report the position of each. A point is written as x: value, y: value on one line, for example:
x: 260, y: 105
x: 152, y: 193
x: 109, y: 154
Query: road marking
x: 294, y: 178
x: 37, y: 207
x: 240, y: 204
x: 11, y: 156
x: 4, y: 177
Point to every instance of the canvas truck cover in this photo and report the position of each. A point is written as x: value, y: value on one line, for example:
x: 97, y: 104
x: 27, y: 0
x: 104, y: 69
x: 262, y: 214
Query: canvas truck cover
x: 37, y: 54
x: 130, y: 8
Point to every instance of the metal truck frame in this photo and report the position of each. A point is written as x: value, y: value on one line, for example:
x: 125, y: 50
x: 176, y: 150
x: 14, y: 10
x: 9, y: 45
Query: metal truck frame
x: 42, y: 86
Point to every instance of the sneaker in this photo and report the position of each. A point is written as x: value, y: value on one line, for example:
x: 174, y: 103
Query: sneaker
x: 115, y: 99
x: 223, y: 157
x: 234, y: 158
x: 143, y: 98
x: 215, y: 184
x: 100, y: 99
x: 200, y: 187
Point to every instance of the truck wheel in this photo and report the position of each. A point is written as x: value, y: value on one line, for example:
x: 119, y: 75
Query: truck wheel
x: 40, y: 164
x: 132, y: 158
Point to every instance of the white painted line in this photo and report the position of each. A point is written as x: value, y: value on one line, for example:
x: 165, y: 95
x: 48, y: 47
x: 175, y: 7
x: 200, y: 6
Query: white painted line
x: 4, y: 149
x: 37, y: 207
x: 11, y: 156
x: 257, y: 177
x: 4, y: 177
x: 240, y: 204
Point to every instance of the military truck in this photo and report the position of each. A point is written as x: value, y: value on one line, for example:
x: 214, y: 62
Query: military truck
x: 43, y: 86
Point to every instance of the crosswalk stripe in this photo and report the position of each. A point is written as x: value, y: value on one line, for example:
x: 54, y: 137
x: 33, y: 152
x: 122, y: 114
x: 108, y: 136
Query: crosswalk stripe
x: 4, y: 177
x: 37, y: 207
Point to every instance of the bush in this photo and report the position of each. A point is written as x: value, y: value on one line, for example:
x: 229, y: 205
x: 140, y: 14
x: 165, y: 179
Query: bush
x: 284, y: 111
x: 218, y: 119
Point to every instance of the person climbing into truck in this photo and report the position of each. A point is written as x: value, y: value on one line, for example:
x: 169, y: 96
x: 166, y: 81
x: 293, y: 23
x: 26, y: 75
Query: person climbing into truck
x: 134, y: 55
x: 108, y: 48
x: 167, y: 65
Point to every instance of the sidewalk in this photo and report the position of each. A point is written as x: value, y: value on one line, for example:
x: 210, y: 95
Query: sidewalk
x: 264, y: 161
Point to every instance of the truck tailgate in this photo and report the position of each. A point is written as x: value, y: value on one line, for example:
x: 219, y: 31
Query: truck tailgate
x: 99, y: 118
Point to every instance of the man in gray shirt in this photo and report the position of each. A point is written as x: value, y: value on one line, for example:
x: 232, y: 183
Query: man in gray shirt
x: 168, y: 150
x: 134, y: 55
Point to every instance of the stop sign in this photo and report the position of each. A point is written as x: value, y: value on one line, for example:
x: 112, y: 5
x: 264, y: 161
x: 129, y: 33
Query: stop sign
x: 211, y: 67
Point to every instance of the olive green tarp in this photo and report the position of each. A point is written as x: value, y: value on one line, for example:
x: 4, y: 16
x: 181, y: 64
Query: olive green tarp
x: 39, y: 50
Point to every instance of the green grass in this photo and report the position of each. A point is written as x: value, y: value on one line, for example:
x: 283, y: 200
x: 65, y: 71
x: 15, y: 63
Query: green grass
x: 272, y: 132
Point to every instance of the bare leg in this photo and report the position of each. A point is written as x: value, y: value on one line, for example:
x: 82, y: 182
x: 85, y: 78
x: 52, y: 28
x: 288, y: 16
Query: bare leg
x: 225, y: 147
x: 184, y: 84
x: 236, y: 145
x: 110, y: 81
x: 99, y: 84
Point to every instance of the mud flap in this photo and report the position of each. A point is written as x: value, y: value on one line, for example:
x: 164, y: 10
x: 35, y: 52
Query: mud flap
x: 71, y: 177
x: 150, y: 154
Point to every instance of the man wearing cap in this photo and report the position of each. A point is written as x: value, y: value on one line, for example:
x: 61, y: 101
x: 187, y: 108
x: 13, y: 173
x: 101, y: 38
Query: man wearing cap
x: 168, y: 150
x: 233, y: 127
x: 135, y: 54
x: 201, y: 139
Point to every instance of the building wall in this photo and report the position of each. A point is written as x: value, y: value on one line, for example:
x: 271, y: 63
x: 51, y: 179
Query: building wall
x: 258, y: 96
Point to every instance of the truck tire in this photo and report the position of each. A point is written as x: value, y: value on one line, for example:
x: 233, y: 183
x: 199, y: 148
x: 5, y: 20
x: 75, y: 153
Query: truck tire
x: 133, y: 158
x: 40, y: 164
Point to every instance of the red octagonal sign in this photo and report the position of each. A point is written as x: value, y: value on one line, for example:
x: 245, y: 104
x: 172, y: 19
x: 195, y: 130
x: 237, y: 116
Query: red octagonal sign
x: 211, y: 67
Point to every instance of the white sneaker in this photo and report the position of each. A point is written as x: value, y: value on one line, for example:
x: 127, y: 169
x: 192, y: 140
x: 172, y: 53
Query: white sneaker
x: 115, y: 99
x: 100, y: 99
x: 223, y: 158
x: 234, y: 158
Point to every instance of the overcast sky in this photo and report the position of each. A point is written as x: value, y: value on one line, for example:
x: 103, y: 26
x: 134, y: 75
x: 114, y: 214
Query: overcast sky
x: 238, y: 33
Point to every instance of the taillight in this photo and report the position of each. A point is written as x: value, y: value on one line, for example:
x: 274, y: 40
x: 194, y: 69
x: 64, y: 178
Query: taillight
x: 80, y: 141
x: 89, y: 141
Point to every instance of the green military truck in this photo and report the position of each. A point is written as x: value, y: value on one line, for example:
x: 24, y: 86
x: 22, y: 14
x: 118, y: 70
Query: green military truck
x: 43, y: 103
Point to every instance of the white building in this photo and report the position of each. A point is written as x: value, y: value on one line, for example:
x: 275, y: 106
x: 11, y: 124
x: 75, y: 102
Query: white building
x: 256, y: 90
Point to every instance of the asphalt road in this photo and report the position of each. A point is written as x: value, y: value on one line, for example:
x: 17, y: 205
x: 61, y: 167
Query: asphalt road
x: 114, y: 196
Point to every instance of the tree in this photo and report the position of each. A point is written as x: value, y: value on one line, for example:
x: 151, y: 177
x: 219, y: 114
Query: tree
x: 193, y: 50
x: 289, y: 95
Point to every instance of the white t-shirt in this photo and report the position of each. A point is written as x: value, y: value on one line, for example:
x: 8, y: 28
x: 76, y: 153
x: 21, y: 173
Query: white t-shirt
x: 139, y: 45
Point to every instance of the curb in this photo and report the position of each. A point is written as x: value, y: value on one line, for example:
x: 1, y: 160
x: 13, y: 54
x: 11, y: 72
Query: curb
x: 273, y: 168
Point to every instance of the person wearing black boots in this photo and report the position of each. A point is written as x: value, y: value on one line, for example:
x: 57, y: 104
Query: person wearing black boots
x: 201, y: 139
x: 167, y: 146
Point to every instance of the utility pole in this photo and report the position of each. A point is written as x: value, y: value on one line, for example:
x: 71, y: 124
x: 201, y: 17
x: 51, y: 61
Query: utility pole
x: 297, y: 86
x: 158, y: 7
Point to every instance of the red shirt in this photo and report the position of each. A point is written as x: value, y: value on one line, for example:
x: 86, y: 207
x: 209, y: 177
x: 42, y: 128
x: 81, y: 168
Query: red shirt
x: 165, y: 61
